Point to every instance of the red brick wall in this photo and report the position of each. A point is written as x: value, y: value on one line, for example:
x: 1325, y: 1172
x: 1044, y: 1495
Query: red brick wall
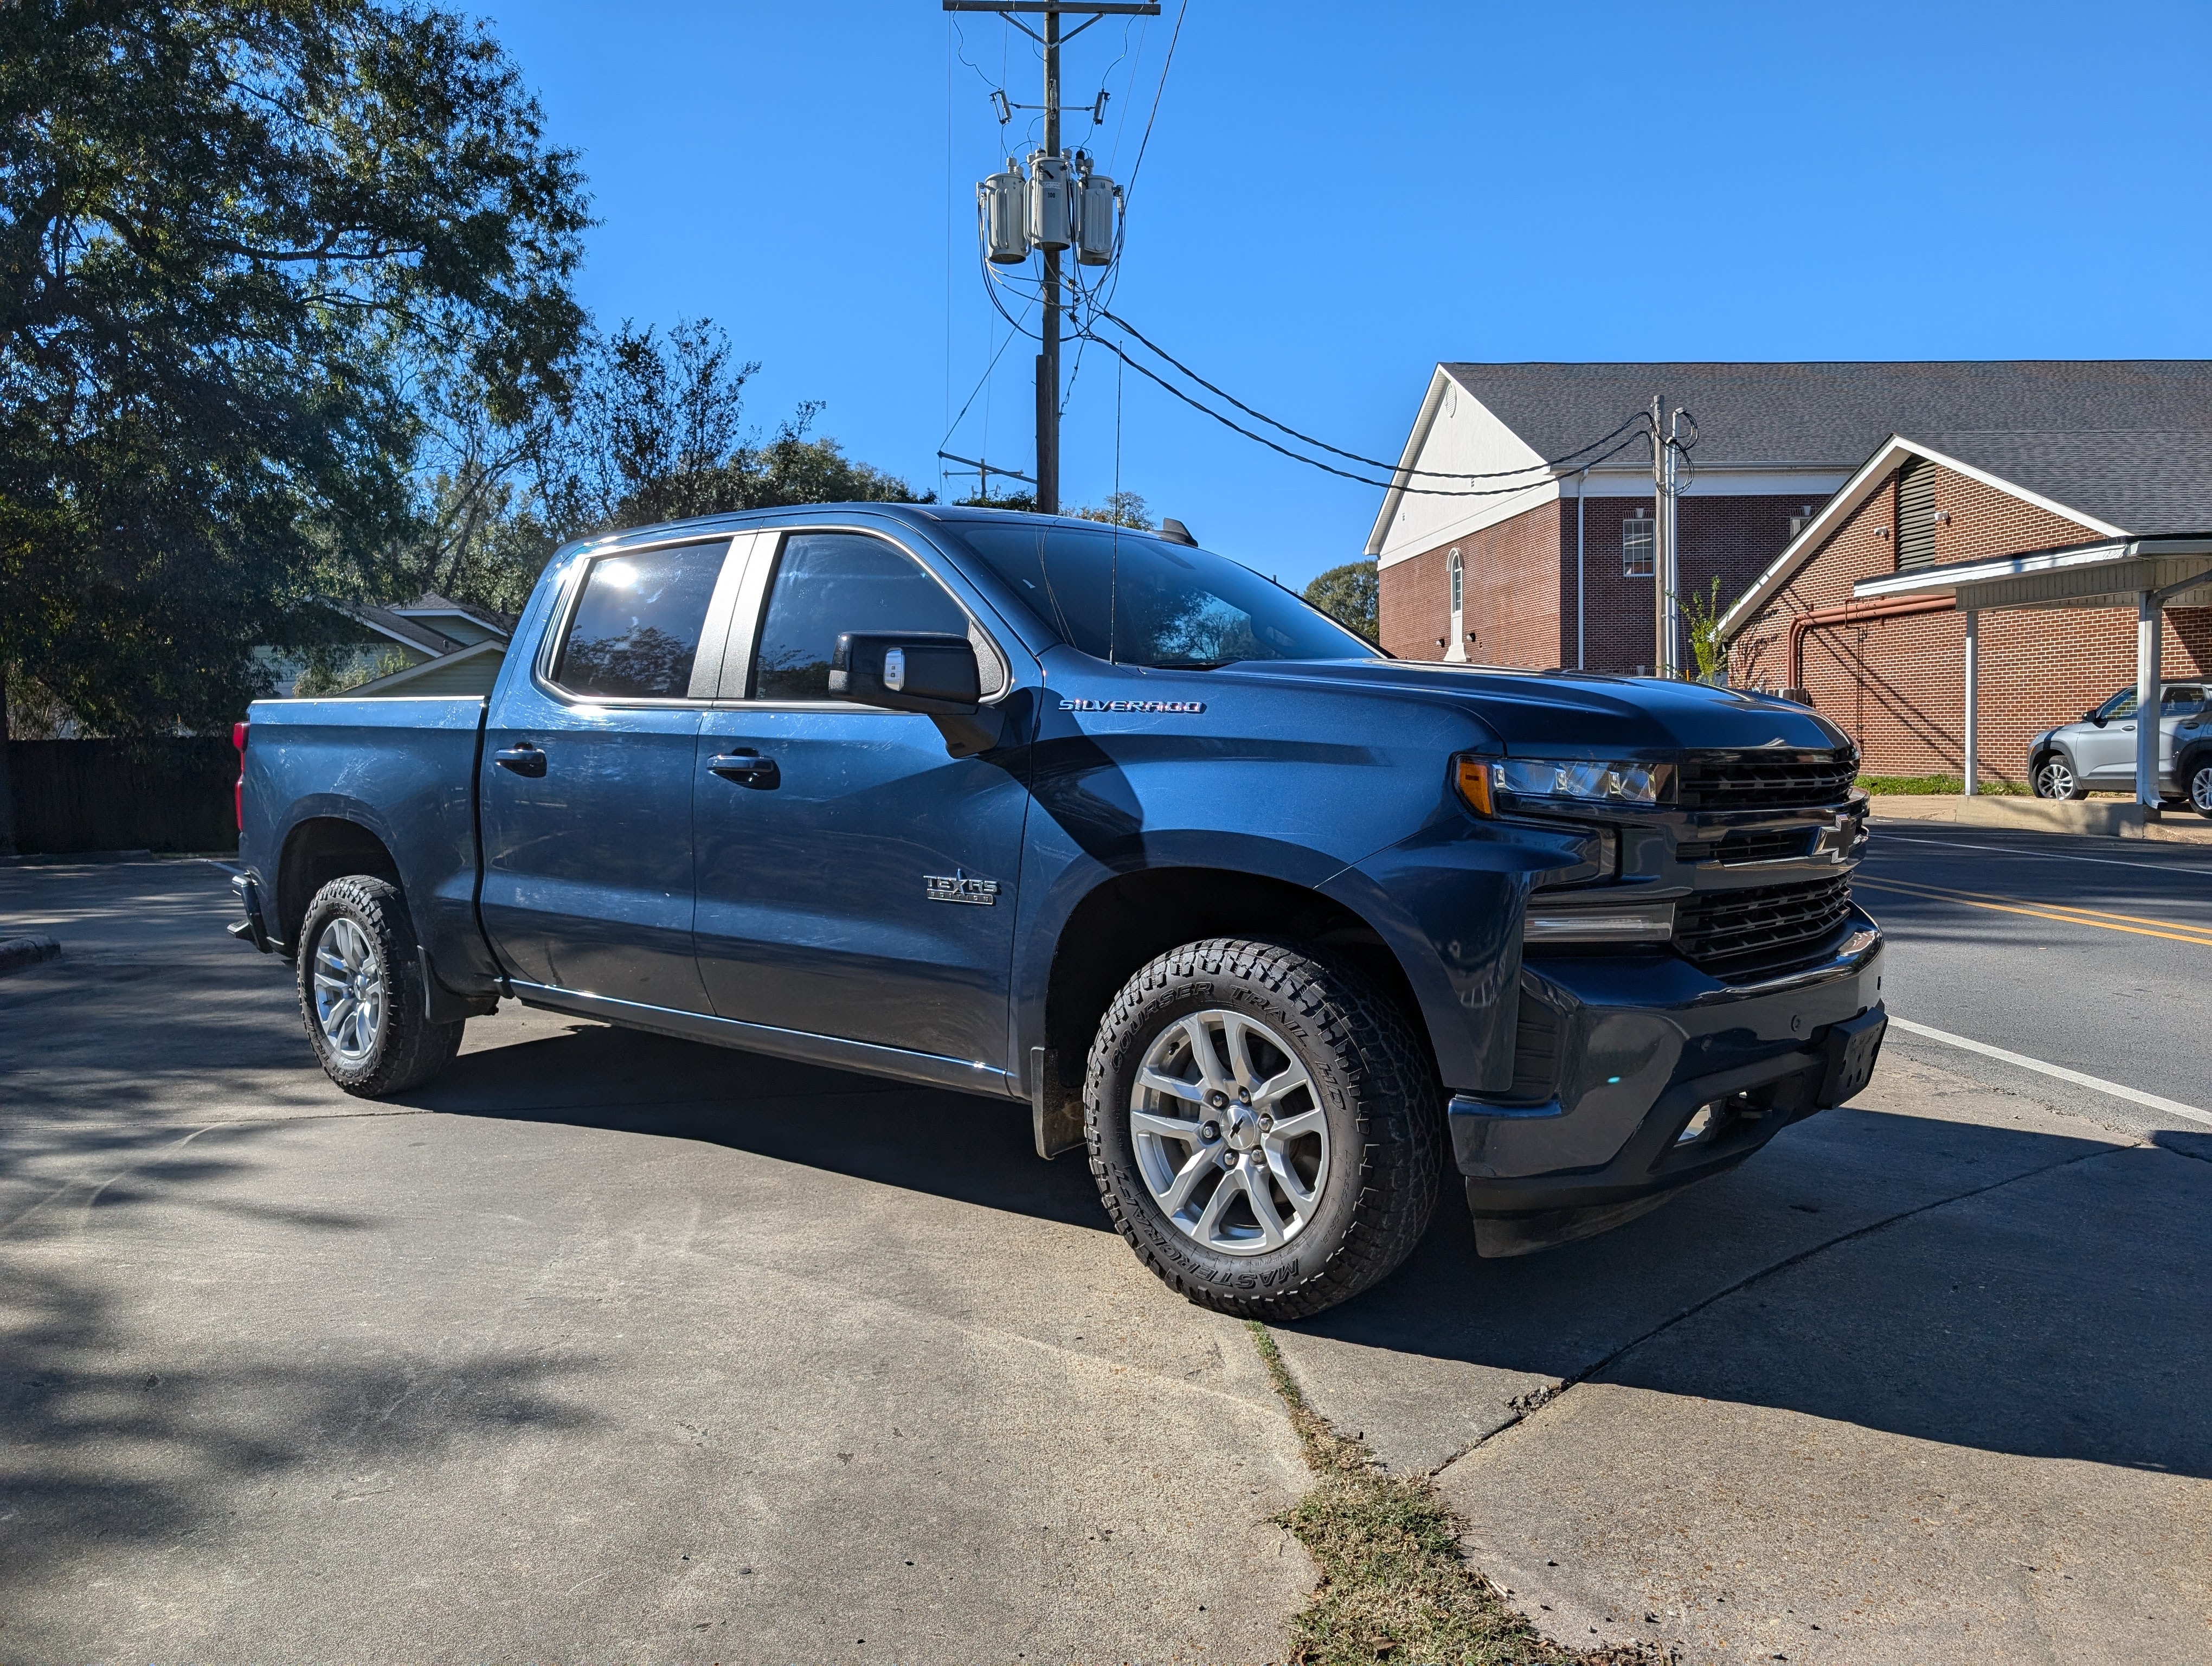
x: 1898, y: 685
x: 1520, y: 591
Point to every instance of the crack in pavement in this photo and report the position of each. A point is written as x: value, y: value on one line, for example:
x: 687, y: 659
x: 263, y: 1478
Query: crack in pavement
x: 1537, y: 1399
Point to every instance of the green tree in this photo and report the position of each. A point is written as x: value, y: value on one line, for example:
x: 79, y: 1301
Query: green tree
x: 1351, y: 595
x: 248, y: 249
x: 1120, y: 509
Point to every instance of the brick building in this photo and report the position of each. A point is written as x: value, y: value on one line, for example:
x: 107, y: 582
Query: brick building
x: 1501, y: 543
x: 1861, y: 610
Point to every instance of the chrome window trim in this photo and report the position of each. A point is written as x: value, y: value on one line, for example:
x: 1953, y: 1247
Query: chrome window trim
x: 711, y: 628
x: 751, y: 612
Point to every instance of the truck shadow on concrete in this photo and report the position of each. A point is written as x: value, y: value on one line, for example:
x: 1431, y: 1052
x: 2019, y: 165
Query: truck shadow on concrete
x: 1980, y: 1285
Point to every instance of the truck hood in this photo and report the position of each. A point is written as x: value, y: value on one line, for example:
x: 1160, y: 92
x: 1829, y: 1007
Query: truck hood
x: 1574, y: 714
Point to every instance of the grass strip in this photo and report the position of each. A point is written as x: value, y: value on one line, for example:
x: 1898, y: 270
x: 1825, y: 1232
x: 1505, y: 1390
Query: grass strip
x: 1937, y: 786
x: 1395, y: 1587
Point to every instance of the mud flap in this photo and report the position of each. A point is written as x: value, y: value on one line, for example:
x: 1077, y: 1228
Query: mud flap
x: 1055, y: 1114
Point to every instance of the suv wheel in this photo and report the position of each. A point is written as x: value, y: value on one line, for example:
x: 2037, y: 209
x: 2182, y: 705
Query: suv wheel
x: 1264, y: 1127
x: 2197, y: 772
x: 361, y: 990
x: 2055, y: 779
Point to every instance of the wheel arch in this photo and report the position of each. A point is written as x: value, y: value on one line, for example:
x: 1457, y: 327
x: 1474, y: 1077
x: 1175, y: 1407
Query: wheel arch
x: 318, y: 849
x: 1128, y: 918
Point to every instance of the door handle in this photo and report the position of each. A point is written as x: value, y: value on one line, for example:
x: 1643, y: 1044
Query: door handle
x: 522, y: 758
x: 746, y: 766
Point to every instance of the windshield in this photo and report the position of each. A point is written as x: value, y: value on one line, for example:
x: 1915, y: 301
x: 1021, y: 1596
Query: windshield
x: 1131, y: 598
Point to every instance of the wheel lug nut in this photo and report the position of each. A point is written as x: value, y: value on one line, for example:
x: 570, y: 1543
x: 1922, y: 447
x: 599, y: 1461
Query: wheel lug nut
x: 1243, y: 1096
x: 1210, y: 1133
x: 1216, y: 1100
x: 1267, y: 1123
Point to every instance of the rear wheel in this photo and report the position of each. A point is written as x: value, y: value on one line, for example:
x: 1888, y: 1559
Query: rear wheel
x: 2055, y: 779
x: 1265, y: 1129
x: 361, y: 990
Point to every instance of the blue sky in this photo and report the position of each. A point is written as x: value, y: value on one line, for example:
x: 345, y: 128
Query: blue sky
x: 1336, y: 197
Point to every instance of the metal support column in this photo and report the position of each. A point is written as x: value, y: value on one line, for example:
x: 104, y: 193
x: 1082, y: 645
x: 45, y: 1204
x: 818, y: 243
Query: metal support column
x: 2150, y: 614
x: 1973, y: 762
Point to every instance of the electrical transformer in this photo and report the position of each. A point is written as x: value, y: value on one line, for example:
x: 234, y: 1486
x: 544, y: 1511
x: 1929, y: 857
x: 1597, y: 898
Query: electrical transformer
x: 1002, y: 204
x: 1051, y: 202
x: 1095, y: 200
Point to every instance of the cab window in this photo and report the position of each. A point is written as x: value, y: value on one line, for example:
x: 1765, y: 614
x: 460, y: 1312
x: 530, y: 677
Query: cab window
x: 634, y: 634
x: 828, y: 583
x: 2122, y: 704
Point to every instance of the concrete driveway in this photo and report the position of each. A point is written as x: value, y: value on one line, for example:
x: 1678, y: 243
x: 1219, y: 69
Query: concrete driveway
x: 608, y: 1347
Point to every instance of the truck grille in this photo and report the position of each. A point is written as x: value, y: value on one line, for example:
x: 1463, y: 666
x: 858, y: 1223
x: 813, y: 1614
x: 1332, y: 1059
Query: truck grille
x: 1767, y: 780
x: 1738, y: 849
x: 1765, y: 928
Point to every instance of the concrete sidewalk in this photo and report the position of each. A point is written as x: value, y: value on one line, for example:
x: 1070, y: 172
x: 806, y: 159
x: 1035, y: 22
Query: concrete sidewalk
x: 608, y: 1348
x: 1924, y: 1382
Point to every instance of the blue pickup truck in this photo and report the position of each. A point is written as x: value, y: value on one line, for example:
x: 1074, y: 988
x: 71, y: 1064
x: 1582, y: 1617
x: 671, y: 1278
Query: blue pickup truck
x: 1268, y: 923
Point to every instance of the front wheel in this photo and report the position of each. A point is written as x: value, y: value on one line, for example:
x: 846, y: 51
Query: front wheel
x: 2198, y: 773
x: 361, y: 990
x: 2055, y: 779
x: 1265, y: 1129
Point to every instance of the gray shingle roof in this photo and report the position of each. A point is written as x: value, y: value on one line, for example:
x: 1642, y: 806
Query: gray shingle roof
x: 2128, y: 440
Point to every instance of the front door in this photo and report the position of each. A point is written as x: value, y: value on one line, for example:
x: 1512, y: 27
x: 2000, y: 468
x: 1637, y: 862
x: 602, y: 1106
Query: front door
x: 854, y: 880
x: 588, y: 767
x: 2106, y: 755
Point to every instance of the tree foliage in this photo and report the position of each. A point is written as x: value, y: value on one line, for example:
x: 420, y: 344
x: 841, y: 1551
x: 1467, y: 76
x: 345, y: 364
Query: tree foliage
x: 249, y: 250
x: 1351, y: 595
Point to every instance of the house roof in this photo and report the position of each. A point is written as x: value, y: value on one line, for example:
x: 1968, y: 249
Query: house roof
x: 1836, y: 412
x: 429, y: 605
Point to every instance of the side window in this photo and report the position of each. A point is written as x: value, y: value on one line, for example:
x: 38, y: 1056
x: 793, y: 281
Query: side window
x: 2181, y: 699
x: 1640, y: 545
x: 636, y: 630
x: 828, y: 583
x: 2122, y: 704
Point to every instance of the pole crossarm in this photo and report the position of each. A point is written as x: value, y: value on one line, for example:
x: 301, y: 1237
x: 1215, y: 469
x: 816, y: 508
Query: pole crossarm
x: 1081, y: 7
x: 987, y: 468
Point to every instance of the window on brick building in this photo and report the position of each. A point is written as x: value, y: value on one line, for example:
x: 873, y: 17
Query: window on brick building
x: 1458, y: 602
x: 1639, y: 546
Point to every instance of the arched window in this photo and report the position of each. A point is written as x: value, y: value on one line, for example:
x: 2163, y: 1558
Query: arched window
x: 1457, y: 649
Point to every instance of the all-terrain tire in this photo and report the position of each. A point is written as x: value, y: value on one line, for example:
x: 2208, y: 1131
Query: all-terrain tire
x: 408, y: 1050
x: 1374, y: 1082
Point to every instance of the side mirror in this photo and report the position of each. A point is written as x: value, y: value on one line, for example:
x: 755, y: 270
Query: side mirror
x: 918, y: 671
x: 2090, y: 717
x: 907, y: 672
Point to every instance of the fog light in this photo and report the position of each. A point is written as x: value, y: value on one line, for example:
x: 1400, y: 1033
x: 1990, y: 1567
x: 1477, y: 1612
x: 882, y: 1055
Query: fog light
x: 1550, y: 922
x: 1701, y: 1123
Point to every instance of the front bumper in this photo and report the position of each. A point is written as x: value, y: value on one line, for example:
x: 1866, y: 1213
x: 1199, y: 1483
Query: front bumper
x: 1616, y: 1053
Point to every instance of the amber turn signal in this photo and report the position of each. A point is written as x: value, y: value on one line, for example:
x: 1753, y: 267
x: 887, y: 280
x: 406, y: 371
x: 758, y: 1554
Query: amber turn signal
x: 1472, y: 776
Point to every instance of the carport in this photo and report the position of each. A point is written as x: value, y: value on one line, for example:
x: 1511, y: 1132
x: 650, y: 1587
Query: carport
x: 2148, y: 574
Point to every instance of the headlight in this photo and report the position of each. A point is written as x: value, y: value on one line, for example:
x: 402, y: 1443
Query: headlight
x: 1491, y: 784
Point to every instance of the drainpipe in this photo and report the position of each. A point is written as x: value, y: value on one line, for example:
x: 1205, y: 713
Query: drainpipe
x: 1973, y: 761
x: 1853, y: 613
x: 1582, y: 484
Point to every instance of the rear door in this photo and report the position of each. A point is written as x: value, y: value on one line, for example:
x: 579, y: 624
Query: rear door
x: 2184, y: 703
x: 854, y: 880
x: 589, y: 761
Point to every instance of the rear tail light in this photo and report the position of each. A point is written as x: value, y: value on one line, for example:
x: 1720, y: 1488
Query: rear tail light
x: 238, y: 733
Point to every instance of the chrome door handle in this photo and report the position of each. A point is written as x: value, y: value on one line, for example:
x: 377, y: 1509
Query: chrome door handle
x: 522, y: 758
x: 746, y: 767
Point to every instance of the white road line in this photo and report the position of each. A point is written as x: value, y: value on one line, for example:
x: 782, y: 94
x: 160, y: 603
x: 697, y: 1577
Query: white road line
x: 2204, y: 873
x: 2170, y: 1107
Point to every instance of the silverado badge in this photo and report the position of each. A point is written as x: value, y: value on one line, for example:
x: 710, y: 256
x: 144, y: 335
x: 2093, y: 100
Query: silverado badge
x: 957, y: 887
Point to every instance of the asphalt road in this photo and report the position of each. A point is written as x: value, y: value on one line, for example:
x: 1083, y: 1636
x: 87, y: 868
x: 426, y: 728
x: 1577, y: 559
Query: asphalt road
x: 611, y: 1346
x: 2095, y: 954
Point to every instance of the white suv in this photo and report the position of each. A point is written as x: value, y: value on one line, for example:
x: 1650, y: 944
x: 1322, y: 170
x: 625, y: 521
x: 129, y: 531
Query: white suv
x: 2097, y: 754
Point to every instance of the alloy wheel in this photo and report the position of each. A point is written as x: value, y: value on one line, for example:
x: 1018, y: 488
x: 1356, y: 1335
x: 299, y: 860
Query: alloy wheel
x: 1229, y: 1133
x: 2055, y: 780
x: 2200, y: 789
x: 349, y: 991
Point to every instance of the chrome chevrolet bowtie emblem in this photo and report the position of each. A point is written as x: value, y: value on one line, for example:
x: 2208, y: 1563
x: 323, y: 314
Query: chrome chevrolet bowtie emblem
x: 957, y: 887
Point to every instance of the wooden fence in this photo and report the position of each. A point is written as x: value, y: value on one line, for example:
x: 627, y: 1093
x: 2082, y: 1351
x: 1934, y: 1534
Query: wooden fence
x: 168, y: 794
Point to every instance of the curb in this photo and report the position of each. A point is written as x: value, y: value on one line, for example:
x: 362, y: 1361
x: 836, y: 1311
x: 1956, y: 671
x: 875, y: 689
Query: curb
x: 17, y: 953
x: 2111, y: 818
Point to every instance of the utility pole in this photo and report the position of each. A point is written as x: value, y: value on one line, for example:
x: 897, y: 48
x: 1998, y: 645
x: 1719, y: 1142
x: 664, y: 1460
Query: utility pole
x: 1052, y: 229
x: 1048, y: 363
x: 1666, y: 569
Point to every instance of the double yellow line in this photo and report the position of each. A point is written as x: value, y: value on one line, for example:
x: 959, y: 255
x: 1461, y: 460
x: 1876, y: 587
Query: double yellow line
x: 2134, y: 925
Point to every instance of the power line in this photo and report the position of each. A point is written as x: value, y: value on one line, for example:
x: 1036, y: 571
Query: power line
x: 1329, y: 468
x: 1353, y: 456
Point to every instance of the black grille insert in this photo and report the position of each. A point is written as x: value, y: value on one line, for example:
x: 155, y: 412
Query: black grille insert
x: 1767, y: 780
x: 1764, y: 928
x: 1740, y: 848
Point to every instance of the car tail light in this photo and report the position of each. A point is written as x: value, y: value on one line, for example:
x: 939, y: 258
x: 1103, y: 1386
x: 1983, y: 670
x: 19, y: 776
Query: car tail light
x: 238, y: 733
